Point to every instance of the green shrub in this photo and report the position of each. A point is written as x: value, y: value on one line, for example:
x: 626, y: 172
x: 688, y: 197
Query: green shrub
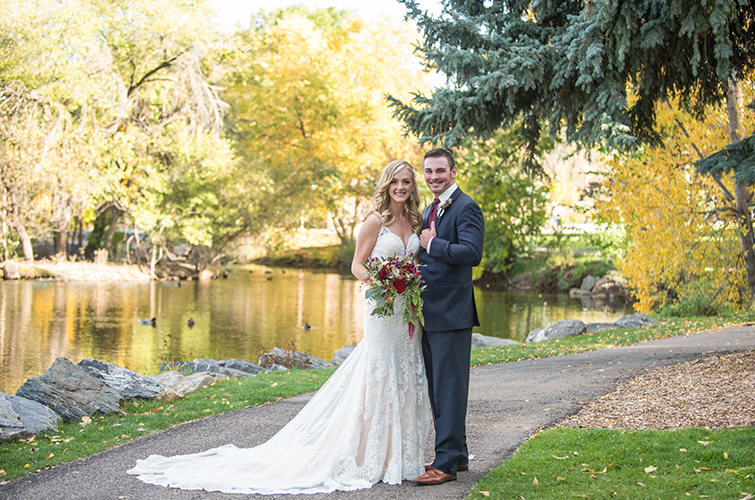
x: 695, y: 299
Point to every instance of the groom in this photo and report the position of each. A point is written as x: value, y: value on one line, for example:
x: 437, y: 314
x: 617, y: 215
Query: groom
x: 451, y: 240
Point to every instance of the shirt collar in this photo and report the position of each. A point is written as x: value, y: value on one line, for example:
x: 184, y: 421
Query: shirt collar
x: 445, y: 195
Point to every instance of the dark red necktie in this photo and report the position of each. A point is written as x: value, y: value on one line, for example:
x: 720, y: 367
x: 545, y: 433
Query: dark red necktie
x: 433, y: 216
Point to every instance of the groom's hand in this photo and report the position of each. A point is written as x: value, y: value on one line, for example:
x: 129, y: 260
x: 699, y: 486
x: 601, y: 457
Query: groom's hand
x: 427, y: 235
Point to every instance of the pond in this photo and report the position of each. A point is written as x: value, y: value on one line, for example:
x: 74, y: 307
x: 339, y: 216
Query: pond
x: 251, y: 311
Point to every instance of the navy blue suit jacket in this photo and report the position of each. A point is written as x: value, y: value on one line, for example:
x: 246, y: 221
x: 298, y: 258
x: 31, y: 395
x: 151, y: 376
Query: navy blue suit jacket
x: 447, y: 270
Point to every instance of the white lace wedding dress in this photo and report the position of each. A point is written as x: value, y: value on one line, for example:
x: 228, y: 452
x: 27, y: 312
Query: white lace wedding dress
x: 368, y: 422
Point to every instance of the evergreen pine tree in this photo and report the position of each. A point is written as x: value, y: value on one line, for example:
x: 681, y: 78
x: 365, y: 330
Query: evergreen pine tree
x: 575, y: 62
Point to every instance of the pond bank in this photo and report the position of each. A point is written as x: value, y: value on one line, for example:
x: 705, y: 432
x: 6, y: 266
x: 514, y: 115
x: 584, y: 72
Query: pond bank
x: 537, y: 276
x: 80, y: 271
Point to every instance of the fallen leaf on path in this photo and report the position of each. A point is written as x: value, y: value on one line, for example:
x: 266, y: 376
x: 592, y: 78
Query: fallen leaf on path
x: 485, y: 493
x: 650, y: 469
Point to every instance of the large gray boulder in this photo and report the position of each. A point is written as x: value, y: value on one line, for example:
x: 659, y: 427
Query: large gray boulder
x: 277, y: 368
x: 634, y: 321
x: 291, y: 359
x: 576, y: 293
x: 341, y: 354
x: 588, y: 282
x: 558, y: 330
x: 200, y: 365
x: 11, y: 424
x: 127, y: 383
x: 176, y: 384
x: 480, y: 340
x: 241, y: 365
x: 599, y: 327
x: 70, y: 391
x: 10, y: 270
x: 608, y: 288
x: 34, y: 417
x: 535, y: 335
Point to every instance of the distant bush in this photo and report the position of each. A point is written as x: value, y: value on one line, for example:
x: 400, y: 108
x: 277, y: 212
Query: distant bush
x: 695, y: 299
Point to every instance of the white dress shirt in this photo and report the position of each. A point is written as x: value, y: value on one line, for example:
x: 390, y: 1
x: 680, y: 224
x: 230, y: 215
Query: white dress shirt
x: 444, y: 196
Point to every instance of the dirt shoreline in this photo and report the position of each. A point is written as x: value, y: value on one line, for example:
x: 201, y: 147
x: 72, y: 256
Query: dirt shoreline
x: 81, y: 271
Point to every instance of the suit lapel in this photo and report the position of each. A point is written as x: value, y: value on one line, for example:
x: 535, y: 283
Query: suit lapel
x: 453, y: 198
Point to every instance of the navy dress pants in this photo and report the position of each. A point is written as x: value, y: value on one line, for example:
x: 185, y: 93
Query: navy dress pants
x: 446, y: 357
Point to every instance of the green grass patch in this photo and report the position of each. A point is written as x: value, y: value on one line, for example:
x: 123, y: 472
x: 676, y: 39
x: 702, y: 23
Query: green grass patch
x: 665, y: 328
x: 567, y: 463
x: 143, y: 417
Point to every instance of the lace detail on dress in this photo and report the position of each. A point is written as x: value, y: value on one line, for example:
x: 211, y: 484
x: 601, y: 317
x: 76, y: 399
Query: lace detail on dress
x: 367, y: 423
x: 389, y: 243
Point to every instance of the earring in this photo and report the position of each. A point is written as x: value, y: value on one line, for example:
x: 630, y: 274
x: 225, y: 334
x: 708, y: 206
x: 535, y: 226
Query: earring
x: 411, y: 197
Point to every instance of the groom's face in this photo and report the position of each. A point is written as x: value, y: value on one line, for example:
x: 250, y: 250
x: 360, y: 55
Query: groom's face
x: 439, y: 176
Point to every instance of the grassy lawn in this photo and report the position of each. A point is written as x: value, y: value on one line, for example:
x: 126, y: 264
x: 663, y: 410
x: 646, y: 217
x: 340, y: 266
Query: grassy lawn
x: 74, y: 440
x: 566, y: 463
x: 612, y: 338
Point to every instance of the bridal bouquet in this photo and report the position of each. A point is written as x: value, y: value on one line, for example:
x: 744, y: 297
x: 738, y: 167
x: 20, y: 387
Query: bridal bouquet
x: 395, y: 276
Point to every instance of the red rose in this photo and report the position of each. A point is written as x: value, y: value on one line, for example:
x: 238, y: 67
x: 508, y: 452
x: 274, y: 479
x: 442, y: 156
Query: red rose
x: 383, y: 274
x: 400, y: 285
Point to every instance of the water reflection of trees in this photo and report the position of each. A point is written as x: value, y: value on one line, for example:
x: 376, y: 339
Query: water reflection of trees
x: 238, y: 317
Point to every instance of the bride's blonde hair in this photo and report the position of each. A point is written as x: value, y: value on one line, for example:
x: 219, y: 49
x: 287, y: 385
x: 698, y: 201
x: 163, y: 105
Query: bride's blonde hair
x: 381, y: 200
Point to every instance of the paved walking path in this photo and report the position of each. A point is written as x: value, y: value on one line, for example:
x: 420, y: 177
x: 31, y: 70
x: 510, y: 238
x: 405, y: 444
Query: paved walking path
x: 508, y: 403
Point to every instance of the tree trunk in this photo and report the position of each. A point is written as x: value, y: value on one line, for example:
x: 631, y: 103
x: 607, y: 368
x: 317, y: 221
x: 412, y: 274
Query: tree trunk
x: 743, y: 193
x: 80, y: 232
x: 138, y: 249
x: 744, y: 219
x: 111, y: 228
x: 60, y: 240
x: 5, y: 240
x: 23, y: 236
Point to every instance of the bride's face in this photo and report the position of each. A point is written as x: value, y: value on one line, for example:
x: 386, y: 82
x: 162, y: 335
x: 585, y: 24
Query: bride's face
x: 402, y: 186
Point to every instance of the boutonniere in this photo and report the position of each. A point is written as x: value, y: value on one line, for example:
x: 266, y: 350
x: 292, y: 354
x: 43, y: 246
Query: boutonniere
x: 446, y: 204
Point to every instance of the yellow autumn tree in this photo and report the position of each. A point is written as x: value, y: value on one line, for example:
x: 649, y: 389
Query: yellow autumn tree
x: 310, y: 110
x: 682, y: 241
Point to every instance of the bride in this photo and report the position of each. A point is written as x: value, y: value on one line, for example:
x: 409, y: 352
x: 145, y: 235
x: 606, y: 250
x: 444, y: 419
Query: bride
x: 368, y: 422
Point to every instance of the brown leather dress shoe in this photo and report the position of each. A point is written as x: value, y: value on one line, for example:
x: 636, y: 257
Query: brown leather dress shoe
x: 432, y: 477
x: 459, y: 468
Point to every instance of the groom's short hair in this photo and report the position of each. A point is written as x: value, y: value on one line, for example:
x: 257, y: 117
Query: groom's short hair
x: 440, y: 152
